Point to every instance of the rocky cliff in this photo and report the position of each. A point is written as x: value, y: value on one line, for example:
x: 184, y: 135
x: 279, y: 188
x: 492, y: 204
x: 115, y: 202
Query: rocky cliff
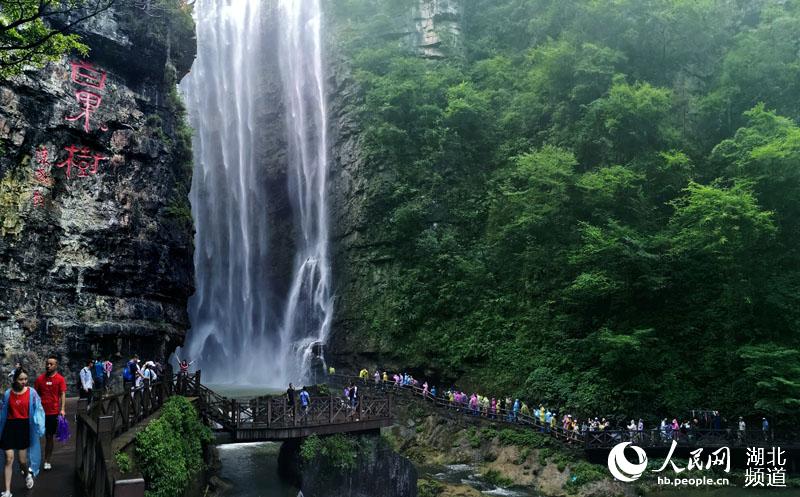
x: 425, y: 28
x: 95, y: 225
x: 376, y: 470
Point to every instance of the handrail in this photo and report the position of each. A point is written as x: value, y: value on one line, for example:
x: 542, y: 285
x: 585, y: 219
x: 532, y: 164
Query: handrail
x: 504, y: 416
x: 600, y: 439
x: 109, y: 417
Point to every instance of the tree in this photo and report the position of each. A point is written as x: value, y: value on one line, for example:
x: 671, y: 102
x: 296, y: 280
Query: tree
x: 34, y: 32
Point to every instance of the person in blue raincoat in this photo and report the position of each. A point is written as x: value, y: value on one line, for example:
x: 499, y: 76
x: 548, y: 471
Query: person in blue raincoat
x: 21, y: 426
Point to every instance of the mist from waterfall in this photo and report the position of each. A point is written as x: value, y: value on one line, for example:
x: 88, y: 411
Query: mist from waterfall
x: 243, y: 331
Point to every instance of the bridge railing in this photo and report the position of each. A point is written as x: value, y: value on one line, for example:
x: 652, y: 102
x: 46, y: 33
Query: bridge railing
x: 95, y: 428
x: 503, y: 416
x: 276, y: 412
x: 657, y: 437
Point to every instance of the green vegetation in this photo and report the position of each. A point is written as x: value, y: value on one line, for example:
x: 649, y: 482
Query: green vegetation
x: 339, y: 451
x: 429, y: 488
x: 170, y: 449
x: 124, y: 462
x: 582, y: 473
x: 494, y: 477
x: 28, y: 38
x: 588, y: 192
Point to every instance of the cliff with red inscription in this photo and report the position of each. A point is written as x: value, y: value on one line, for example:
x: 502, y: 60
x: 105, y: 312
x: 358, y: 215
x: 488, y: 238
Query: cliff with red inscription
x: 95, y: 223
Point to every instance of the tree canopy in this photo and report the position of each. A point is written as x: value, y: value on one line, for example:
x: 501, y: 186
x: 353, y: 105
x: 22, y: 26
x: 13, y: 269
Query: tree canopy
x: 589, y: 204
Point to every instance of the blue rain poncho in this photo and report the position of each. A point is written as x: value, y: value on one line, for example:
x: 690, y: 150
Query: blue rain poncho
x: 36, y: 420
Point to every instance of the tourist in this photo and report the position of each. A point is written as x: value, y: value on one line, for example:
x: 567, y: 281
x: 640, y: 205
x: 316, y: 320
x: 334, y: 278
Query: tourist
x: 21, y: 426
x: 516, y: 409
x: 742, y: 428
x: 149, y: 374
x: 52, y: 389
x: 425, y: 390
x: 354, y: 398
x: 98, y: 374
x: 130, y: 374
x: 765, y: 428
x: 433, y: 392
x: 290, y: 399
x: 493, y: 409
x: 304, y: 401
x: 632, y: 430
x: 331, y: 370
x: 87, y: 383
x: 108, y: 366
x: 377, y: 377
x: 385, y: 377
x: 363, y: 374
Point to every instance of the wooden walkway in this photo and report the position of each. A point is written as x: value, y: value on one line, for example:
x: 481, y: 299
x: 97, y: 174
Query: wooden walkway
x: 271, y: 418
x: 590, y: 441
x: 60, y: 481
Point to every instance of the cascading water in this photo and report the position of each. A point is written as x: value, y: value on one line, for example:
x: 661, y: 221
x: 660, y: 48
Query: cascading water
x: 243, y: 329
x: 309, y: 306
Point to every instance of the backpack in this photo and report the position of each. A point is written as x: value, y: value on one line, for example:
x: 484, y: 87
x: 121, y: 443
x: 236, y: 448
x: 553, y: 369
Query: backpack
x: 126, y: 373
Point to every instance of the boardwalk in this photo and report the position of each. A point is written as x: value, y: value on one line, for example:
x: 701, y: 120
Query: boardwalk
x: 273, y: 419
x: 589, y: 441
x: 60, y: 481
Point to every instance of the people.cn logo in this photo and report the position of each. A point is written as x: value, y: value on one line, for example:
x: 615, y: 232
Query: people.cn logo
x: 621, y: 468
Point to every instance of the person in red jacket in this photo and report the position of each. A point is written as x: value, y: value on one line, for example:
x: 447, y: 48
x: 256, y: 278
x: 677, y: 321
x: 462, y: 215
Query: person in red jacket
x: 21, y: 425
x: 52, y: 388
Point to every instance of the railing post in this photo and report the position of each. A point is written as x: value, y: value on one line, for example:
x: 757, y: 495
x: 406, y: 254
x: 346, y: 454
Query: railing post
x: 330, y: 409
x: 197, y: 383
x: 294, y: 413
x: 269, y: 412
x: 105, y: 432
x: 389, y: 403
x: 129, y: 488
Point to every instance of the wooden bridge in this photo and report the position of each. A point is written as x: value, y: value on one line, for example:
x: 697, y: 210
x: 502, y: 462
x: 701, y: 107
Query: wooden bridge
x: 603, y: 440
x: 271, y: 418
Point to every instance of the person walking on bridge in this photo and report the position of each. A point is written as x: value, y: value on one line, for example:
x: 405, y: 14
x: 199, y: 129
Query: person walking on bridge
x: 52, y: 389
x: 290, y: 400
x: 304, y: 401
x: 21, y: 425
x: 87, y: 382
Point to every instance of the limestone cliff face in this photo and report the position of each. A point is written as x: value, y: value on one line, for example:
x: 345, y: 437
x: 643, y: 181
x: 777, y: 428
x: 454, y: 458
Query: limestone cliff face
x: 95, y: 226
x: 429, y: 29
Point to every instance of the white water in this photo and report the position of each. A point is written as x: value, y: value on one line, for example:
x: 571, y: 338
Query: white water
x: 242, y: 330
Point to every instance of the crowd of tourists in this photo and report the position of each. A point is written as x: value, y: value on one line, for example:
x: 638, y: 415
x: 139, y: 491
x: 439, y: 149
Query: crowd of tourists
x: 26, y: 415
x: 546, y: 419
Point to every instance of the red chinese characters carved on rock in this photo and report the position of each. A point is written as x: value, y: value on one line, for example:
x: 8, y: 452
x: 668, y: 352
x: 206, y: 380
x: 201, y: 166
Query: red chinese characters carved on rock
x: 38, y: 200
x: 85, y: 74
x: 82, y: 158
x: 42, y: 156
x: 43, y: 177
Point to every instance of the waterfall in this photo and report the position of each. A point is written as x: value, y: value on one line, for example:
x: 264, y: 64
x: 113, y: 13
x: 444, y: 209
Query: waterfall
x: 245, y: 328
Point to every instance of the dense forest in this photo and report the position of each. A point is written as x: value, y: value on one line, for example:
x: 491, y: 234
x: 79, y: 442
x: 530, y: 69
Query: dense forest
x: 592, y: 203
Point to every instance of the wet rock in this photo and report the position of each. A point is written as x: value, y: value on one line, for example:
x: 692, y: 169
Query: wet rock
x: 101, y: 264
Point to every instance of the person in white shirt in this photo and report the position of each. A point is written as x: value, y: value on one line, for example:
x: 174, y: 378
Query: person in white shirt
x: 87, y: 383
x: 149, y: 375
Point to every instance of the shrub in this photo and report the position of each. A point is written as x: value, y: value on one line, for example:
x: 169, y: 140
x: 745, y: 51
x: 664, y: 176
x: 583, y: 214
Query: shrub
x: 429, y: 488
x: 583, y: 473
x: 339, y: 451
x: 495, y: 478
x: 526, y: 438
x: 123, y: 461
x: 170, y: 449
